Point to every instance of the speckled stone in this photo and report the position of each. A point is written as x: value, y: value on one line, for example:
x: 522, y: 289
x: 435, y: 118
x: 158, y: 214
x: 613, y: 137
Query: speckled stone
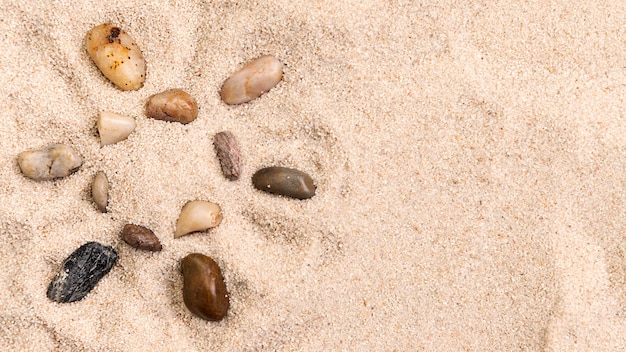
x: 81, y: 271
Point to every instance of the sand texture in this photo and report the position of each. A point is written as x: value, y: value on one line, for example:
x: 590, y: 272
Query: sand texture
x: 469, y: 160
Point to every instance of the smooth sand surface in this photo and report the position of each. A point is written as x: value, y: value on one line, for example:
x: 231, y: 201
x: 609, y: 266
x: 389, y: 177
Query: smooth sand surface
x: 469, y: 160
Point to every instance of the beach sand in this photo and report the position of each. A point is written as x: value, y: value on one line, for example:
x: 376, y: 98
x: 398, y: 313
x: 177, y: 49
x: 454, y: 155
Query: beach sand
x: 469, y: 162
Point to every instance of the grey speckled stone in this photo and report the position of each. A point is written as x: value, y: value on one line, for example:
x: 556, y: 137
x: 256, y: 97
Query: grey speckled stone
x: 81, y: 271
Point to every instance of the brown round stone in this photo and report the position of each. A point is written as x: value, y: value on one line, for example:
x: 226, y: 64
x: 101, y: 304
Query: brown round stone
x: 204, y: 291
x: 173, y: 105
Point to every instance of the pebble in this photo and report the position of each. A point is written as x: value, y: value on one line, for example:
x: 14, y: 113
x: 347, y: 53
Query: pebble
x: 81, y: 271
x: 114, y: 127
x: 141, y: 238
x: 197, y: 215
x: 254, y: 79
x: 204, y: 290
x: 117, y: 56
x: 53, y: 161
x: 284, y: 181
x: 173, y: 105
x: 100, y: 191
x: 228, y: 154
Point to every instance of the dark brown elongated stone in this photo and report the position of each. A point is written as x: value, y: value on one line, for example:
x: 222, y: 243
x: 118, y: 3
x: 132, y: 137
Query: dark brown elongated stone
x: 81, y: 271
x: 141, y: 238
x: 228, y: 154
x: 204, y: 290
x: 284, y: 181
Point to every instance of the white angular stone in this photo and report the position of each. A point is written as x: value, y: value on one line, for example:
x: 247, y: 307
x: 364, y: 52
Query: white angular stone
x: 114, y: 127
x: 197, y: 215
x: 117, y: 56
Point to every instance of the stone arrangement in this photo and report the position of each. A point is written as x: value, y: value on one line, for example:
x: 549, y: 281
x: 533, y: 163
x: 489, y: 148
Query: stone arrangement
x: 120, y: 60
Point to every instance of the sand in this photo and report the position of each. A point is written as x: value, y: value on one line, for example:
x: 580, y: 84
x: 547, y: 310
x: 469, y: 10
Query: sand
x: 469, y: 158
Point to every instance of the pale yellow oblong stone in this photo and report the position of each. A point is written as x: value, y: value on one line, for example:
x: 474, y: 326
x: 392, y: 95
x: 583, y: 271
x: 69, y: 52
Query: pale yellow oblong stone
x: 252, y: 80
x: 197, y: 215
x: 117, y: 56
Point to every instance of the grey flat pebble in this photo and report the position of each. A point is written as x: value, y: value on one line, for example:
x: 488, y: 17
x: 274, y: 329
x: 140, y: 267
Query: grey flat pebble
x: 81, y: 271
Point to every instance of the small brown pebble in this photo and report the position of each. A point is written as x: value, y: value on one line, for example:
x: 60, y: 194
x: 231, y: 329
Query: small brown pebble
x: 228, y: 154
x: 204, y: 290
x: 252, y: 80
x: 141, y: 238
x: 100, y: 191
x: 284, y: 181
x: 173, y: 105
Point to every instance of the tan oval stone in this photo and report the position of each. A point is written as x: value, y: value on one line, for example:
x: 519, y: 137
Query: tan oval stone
x: 254, y: 79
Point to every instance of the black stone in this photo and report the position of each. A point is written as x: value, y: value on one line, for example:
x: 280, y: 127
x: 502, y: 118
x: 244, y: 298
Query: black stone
x: 81, y: 271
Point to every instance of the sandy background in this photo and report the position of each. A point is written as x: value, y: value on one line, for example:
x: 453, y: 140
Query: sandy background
x: 469, y: 158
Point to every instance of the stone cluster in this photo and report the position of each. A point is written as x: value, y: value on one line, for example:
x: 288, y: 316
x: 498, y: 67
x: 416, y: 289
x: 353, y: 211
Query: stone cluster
x: 120, y: 60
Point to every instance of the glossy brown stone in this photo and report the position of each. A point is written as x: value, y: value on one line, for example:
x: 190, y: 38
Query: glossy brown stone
x: 141, y: 238
x: 284, y: 181
x: 173, y: 105
x: 204, y: 291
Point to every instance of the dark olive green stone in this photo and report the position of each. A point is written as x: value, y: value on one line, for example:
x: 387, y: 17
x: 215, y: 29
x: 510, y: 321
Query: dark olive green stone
x: 204, y: 291
x: 284, y: 181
